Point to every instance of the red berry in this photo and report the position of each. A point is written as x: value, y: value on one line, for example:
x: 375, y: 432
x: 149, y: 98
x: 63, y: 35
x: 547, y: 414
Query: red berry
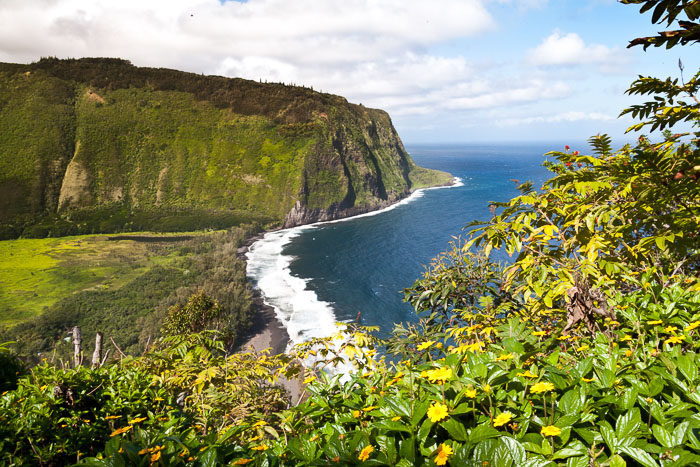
x: 568, y: 164
x: 575, y: 153
x: 580, y: 164
x: 567, y: 147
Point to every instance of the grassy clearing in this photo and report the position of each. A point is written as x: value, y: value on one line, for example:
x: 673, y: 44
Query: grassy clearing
x: 36, y: 273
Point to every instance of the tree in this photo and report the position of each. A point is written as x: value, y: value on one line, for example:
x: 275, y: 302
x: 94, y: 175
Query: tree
x: 199, y: 314
x: 583, y: 240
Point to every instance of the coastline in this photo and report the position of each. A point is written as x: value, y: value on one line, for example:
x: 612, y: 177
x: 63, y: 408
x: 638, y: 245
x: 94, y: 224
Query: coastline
x: 268, y: 331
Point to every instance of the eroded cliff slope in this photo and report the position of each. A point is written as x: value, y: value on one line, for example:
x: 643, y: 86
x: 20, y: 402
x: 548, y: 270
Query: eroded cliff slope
x: 98, y: 145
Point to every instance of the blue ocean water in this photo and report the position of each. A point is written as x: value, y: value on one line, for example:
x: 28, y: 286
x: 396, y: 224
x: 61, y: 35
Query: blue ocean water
x: 317, y: 275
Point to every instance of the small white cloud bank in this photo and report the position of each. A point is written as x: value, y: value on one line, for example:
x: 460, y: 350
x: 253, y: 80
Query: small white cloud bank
x: 565, y: 117
x: 571, y: 50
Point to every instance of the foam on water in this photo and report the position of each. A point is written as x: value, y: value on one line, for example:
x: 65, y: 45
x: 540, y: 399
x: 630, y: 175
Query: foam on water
x: 297, y: 307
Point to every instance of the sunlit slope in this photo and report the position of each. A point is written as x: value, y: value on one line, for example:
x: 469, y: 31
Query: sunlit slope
x: 98, y: 145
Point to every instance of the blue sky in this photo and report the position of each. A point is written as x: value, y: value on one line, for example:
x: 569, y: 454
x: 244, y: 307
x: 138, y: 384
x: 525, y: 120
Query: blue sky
x: 445, y: 70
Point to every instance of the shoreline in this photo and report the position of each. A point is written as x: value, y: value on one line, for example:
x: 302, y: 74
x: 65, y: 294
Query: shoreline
x: 267, y: 330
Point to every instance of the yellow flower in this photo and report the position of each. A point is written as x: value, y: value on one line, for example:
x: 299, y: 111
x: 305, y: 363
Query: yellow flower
x: 155, y: 457
x: 370, y: 408
x: 260, y: 423
x: 396, y: 419
x: 121, y: 430
x: 309, y: 379
x: 539, y: 333
x: 438, y: 375
x: 693, y: 325
x: 651, y: 323
x: 443, y: 452
x: 364, y: 454
x: 527, y: 374
x: 356, y: 413
x: 437, y: 412
x: 143, y: 451
x: 542, y: 387
x: 564, y: 338
x: 470, y: 393
x: 674, y: 339
x: 550, y: 430
x: 112, y: 417
x: 671, y: 329
x: 487, y: 388
x: 158, y: 399
x: 504, y: 356
x: 425, y: 345
x: 628, y: 353
x: 137, y: 420
x: 583, y: 348
x: 502, y: 419
x: 242, y: 461
x: 262, y: 447
x: 625, y: 338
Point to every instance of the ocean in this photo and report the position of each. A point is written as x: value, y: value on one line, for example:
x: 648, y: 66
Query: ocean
x: 315, y: 276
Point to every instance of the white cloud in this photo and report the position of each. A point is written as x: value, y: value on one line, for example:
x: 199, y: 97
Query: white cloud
x: 409, y: 57
x: 523, y: 5
x: 171, y: 32
x: 565, y: 117
x: 570, y: 49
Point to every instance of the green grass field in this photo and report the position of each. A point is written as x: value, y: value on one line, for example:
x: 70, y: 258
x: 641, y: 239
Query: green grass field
x: 35, y: 273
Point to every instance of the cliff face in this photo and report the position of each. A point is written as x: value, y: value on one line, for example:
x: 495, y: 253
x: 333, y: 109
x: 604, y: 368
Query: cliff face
x: 99, y: 145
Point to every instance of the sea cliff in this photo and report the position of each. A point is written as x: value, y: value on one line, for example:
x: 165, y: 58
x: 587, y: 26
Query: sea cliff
x: 99, y: 145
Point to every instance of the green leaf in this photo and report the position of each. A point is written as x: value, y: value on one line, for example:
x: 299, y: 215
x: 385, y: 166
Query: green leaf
x: 679, y: 433
x: 688, y: 367
x: 419, y: 410
x: 628, y: 423
x: 628, y: 399
x: 513, y: 346
x: 208, y: 459
x: 399, y: 406
x: 577, y: 462
x: 608, y: 436
x: 572, y: 401
x: 617, y: 461
x: 483, y: 432
x: 390, y: 425
x: 515, y: 449
x: 662, y: 436
x: 455, y: 429
x: 424, y: 430
x: 407, y: 450
x: 640, y: 456
x: 388, y: 446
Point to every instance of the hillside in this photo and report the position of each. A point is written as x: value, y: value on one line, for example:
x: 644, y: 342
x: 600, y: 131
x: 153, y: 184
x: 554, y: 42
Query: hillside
x: 98, y: 145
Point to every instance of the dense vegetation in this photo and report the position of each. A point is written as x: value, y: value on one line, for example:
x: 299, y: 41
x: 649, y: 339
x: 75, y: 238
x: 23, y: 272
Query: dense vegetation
x: 133, y: 313
x: 98, y: 145
x: 581, y: 352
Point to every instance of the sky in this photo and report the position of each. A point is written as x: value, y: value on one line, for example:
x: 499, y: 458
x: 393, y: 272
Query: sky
x: 447, y: 71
